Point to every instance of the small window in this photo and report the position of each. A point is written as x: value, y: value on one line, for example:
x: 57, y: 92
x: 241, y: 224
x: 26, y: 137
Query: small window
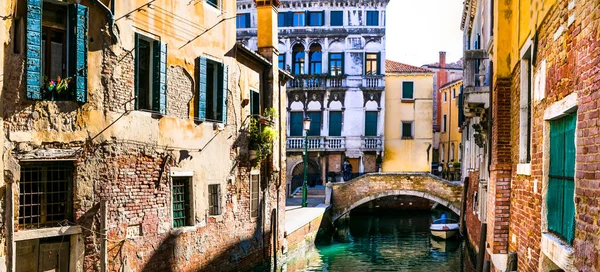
x: 336, y: 64
x: 214, y: 199
x: 281, y: 61
x: 372, y: 63
x: 445, y: 96
x: 45, y: 194
x: 453, y: 93
x: 371, y: 123
x: 335, y: 123
x: 444, y: 123
x: 254, y: 194
x: 316, y: 18
x: 150, y: 74
x: 372, y: 18
x: 337, y: 18
x: 296, y: 120
x: 407, y: 130
x: 254, y: 102
x: 181, y: 202
x: 408, y: 90
x: 243, y: 20
x: 212, y: 101
x: 299, y: 19
x: 214, y: 3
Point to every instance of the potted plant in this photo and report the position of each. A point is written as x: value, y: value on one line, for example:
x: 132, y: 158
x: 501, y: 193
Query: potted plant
x: 261, y: 135
x: 456, y: 165
x: 56, y: 89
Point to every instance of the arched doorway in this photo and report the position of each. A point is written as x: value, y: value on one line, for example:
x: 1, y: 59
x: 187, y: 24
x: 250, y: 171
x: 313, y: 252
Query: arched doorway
x: 313, y: 176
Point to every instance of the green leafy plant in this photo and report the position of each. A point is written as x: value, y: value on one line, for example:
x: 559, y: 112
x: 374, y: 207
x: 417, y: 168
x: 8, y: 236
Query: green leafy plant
x: 456, y: 164
x: 261, y: 135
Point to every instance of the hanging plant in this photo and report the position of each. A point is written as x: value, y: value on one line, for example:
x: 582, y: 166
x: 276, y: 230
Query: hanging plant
x: 261, y: 136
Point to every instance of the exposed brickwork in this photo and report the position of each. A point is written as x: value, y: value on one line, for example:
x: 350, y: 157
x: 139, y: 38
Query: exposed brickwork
x: 472, y: 219
x: 180, y: 91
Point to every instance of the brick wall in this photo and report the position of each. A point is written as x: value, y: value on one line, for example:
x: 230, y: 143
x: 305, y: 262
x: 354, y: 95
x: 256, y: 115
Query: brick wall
x: 472, y: 220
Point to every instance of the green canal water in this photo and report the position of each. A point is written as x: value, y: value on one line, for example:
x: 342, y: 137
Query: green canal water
x: 383, y: 242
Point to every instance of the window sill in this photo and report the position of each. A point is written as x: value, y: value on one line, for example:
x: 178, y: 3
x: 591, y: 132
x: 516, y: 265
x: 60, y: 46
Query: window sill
x: 406, y: 100
x: 46, y: 233
x: 558, y: 251
x: 407, y: 138
x: 524, y: 169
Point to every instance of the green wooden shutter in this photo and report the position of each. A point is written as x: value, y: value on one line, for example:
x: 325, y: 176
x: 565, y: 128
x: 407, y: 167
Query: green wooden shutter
x: 78, y: 64
x: 408, y: 90
x: 569, y: 181
x: 137, y: 70
x: 315, y: 123
x: 296, y: 124
x: 159, y: 82
x: 202, y: 89
x: 307, y: 18
x: 371, y: 123
x: 33, y: 45
x: 379, y: 63
x: 225, y: 69
x: 343, y: 64
x: 322, y: 18
x: 335, y: 123
x: 248, y: 22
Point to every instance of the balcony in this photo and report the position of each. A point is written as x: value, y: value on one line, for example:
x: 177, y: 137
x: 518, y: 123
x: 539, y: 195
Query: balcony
x: 373, y: 82
x: 317, y: 82
x: 371, y: 143
x: 317, y: 143
x: 476, y: 83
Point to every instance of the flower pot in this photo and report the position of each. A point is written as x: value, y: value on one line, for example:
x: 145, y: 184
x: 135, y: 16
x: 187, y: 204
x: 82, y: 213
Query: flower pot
x: 253, y: 154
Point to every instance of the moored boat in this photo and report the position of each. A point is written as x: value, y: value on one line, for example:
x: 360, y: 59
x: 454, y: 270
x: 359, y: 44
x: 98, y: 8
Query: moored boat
x: 444, y: 227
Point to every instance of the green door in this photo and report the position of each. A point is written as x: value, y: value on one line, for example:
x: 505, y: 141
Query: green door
x: 315, y: 123
x: 371, y: 123
x: 296, y: 124
x: 335, y: 123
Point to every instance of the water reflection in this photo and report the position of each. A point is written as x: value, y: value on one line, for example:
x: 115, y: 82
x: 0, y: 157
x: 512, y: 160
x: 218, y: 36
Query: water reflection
x: 398, y: 242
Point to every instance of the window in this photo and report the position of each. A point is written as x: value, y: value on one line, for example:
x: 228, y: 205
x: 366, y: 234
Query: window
x: 453, y: 93
x: 407, y: 129
x: 335, y: 123
x: 254, y: 102
x: 45, y: 194
x: 51, y: 30
x: 316, y: 18
x: 336, y: 64
x: 372, y: 63
x: 316, y: 58
x: 214, y: 3
x: 254, y: 194
x: 181, y: 202
x: 150, y: 74
x: 445, y: 97
x: 296, y: 127
x: 372, y: 18
x: 281, y: 61
x: 336, y: 18
x: 371, y: 123
x: 408, y: 90
x: 243, y: 20
x: 525, y: 110
x: 561, y: 186
x: 299, y: 19
x: 214, y: 199
x: 298, y: 56
x: 315, y: 123
x: 444, y: 123
x: 212, y: 99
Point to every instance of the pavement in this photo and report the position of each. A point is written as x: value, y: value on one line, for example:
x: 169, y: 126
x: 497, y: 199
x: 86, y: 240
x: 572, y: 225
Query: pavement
x: 296, y: 216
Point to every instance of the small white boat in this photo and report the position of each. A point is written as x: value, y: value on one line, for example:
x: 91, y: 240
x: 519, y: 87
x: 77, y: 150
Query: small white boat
x: 444, y: 227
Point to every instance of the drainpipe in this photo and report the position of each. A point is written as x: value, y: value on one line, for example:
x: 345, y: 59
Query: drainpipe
x: 111, y: 18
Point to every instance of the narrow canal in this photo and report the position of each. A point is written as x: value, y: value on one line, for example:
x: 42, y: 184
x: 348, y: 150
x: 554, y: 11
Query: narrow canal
x: 396, y: 241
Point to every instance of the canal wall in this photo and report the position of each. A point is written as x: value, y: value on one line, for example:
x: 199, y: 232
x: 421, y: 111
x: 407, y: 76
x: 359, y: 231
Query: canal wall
x: 302, y: 227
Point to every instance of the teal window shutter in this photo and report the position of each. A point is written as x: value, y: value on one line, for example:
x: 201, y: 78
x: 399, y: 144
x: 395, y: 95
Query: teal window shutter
x: 79, y: 21
x: 225, y: 91
x: 408, y: 90
x: 136, y: 70
x: 159, y: 82
x: 343, y: 65
x: 315, y: 123
x: 202, y: 89
x: 335, y: 123
x: 296, y: 124
x: 371, y: 123
x: 379, y: 63
x: 33, y: 44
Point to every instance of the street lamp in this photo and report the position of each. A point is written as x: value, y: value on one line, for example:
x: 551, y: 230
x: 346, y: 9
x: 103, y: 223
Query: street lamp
x: 306, y: 124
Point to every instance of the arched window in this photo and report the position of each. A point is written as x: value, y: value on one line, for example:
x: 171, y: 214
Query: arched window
x: 316, y: 58
x: 298, y: 56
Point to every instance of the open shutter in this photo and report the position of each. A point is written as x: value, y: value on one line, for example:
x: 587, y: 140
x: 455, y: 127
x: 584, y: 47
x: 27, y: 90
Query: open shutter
x: 78, y: 16
x: 159, y: 76
x: 225, y: 91
x: 248, y: 17
x: 343, y: 63
x: 322, y: 18
x: 137, y: 70
x: 379, y: 63
x: 365, y: 63
x: 307, y: 18
x: 202, y: 88
x: 289, y: 18
x: 33, y: 45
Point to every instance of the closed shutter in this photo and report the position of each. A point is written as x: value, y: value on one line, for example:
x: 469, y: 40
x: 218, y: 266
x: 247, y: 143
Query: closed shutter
x: 322, y: 18
x: 79, y: 20
x: 159, y: 82
x: 248, y: 23
x: 289, y: 18
x: 315, y: 123
x: 33, y: 45
x: 307, y: 18
x: 335, y: 123
x: 296, y: 124
x: 371, y: 123
x: 225, y: 92
x: 202, y: 88
x: 407, y: 90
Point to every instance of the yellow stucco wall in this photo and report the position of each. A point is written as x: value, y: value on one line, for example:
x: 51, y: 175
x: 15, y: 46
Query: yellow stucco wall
x: 408, y: 155
x: 451, y: 137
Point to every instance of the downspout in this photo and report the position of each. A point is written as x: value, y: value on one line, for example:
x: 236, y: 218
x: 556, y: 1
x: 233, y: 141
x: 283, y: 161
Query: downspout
x: 111, y: 18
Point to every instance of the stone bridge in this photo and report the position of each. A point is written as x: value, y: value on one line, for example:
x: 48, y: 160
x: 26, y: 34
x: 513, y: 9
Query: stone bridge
x: 346, y: 196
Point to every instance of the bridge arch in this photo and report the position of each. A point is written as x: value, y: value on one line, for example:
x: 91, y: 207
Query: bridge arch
x: 349, y: 195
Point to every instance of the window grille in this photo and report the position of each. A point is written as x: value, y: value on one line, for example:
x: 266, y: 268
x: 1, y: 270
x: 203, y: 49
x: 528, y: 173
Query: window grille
x: 214, y: 199
x: 181, y: 202
x: 45, y: 194
x: 254, y: 195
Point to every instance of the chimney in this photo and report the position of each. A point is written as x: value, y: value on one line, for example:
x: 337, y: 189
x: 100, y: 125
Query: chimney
x: 442, y: 59
x: 267, y: 29
x: 442, y: 78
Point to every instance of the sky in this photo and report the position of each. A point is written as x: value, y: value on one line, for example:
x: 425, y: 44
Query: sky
x: 417, y: 30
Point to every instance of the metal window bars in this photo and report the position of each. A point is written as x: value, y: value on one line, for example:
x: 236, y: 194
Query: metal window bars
x: 181, y: 202
x: 214, y: 199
